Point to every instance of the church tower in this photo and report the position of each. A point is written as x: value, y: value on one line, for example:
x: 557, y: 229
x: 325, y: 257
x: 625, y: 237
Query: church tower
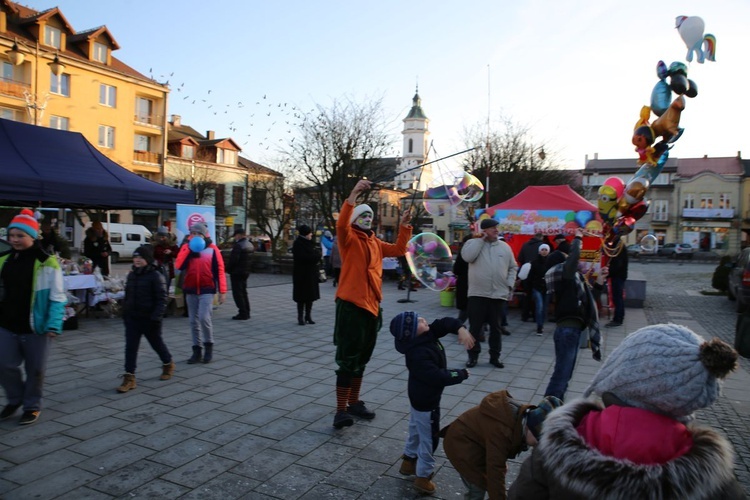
x: 416, y: 146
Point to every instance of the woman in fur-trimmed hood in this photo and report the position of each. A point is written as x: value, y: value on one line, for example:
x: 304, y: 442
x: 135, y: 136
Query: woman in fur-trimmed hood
x: 635, y: 439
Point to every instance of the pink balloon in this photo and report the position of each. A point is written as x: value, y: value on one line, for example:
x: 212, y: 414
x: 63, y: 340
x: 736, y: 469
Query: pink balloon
x: 617, y: 184
x: 430, y: 246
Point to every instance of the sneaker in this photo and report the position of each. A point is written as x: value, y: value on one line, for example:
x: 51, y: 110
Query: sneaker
x: 539, y: 330
x: 497, y: 363
x: 8, y: 411
x: 425, y: 485
x: 408, y: 466
x: 359, y: 409
x: 29, y: 417
x: 342, y: 419
x: 613, y: 324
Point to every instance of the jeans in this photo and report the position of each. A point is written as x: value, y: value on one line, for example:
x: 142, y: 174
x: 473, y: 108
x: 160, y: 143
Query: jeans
x: 566, y: 352
x: 201, y: 324
x: 541, y: 301
x: 134, y: 329
x: 31, y: 349
x: 618, y: 289
x: 419, y: 443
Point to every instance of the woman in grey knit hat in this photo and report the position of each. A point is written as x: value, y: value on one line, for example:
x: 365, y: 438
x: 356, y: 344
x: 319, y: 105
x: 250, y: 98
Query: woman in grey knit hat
x: 632, y: 436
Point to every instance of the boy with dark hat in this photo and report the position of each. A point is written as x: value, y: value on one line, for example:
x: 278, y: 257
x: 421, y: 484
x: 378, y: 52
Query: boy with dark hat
x: 480, y: 441
x: 143, y: 309
x: 428, y: 376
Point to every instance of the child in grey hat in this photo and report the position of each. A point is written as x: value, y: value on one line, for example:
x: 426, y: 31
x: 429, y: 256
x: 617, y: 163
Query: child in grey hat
x: 632, y: 436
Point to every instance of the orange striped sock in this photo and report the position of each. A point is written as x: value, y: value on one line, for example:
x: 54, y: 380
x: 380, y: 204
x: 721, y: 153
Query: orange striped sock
x: 342, y: 397
x: 354, y: 395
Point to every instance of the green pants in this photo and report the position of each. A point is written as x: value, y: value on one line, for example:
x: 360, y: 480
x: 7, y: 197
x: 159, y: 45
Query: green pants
x: 354, y: 336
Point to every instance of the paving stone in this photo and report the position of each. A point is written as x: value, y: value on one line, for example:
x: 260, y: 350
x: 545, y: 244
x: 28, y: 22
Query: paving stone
x: 128, y: 478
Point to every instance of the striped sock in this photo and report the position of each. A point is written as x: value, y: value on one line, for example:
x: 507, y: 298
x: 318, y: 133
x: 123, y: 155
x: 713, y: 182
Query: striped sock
x: 342, y: 397
x: 354, y: 395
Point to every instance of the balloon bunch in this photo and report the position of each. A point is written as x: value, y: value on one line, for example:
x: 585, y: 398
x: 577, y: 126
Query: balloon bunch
x: 622, y: 204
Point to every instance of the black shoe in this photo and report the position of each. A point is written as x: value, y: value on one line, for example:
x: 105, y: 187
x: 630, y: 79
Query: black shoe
x: 8, y: 411
x: 359, y: 409
x: 309, y: 321
x: 539, y: 330
x: 497, y: 363
x: 504, y: 331
x: 29, y: 417
x: 471, y: 363
x: 240, y: 316
x: 613, y: 324
x: 342, y: 419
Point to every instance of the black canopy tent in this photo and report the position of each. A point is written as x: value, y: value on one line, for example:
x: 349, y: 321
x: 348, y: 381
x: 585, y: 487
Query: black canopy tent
x: 56, y: 168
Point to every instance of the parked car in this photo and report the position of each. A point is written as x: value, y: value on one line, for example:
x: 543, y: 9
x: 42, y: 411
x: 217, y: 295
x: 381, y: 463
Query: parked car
x: 739, y: 281
x: 677, y: 250
x: 634, y: 250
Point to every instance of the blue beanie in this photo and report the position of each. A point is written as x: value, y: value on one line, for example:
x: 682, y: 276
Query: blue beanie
x: 404, y: 325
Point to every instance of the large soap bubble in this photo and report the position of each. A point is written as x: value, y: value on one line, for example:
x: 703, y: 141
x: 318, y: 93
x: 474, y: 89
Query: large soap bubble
x: 437, y: 200
x: 649, y: 243
x: 470, y: 188
x: 430, y: 261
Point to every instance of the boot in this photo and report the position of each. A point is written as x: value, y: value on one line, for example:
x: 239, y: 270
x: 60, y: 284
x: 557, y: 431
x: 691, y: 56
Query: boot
x: 167, y: 369
x: 128, y: 383
x: 408, y: 466
x: 196, y: 357
x: 209, y: 353
x: 425, y: 485
x: 308, y: 312
x: 300, y: 319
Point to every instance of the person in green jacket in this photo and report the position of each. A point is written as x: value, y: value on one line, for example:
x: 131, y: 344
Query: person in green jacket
x: 32, y: 306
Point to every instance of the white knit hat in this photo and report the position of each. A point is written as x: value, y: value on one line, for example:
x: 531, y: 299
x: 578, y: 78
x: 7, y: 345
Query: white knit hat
x: 359, y: 210
x: 667, y: 369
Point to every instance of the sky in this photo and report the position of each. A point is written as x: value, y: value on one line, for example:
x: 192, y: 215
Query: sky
x: 575, y: 73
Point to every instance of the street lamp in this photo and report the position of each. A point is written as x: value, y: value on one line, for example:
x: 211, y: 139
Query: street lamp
x: 34, y: 100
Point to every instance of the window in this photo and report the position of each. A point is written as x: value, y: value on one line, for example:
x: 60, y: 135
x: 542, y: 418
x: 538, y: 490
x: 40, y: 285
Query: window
x: 59, y: 84
x: 59, y: 122
x: 100, y: 52
x: 11, y: 114
x: 411, y: 145
x: 144, y: 108
x: 660, y: 210
x: 238, y: 195
x: 707, y: 200
x: 107, y: 95
x: 725, y: 200
x: 133, y: 237
x: 219, y: 195
x: 106, y: 136
x: 7, y: 74
x: 179, y: 184
x: 258, y: 198
x: 689, y: 201
x: 188, y: 152
x: 52, y: 37
x: 226, y: 156
x: 142, y: 143
x: 115, y: 237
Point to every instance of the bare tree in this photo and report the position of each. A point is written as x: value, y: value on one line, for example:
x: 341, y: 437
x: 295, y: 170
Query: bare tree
x: 334, y: 148
x: 200, y: 174
x: 512, y: 160
x: 269, y: 205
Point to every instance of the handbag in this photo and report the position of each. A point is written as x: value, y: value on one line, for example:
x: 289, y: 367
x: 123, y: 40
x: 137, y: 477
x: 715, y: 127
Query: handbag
x: 322, y: 277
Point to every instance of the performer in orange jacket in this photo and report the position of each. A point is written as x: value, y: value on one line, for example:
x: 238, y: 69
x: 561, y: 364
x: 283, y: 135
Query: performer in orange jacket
x: 358, y: 313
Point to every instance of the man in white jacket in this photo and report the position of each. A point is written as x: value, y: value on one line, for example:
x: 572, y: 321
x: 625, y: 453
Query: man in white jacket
x: 492, y: 273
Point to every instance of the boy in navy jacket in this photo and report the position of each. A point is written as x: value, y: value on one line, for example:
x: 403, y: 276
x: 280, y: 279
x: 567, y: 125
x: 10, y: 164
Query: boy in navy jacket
x: 428, y: 376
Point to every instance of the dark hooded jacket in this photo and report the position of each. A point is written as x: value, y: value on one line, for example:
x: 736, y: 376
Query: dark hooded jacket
x: 425, y: 359
x: 145, y: 293
x: 641, y: 456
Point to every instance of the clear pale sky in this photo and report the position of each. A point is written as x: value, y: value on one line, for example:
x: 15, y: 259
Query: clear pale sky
x: 575, y: 72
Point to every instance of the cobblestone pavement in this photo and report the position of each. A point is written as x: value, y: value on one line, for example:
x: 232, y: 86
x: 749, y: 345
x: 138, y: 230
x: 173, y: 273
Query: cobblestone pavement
x: 256, y: 422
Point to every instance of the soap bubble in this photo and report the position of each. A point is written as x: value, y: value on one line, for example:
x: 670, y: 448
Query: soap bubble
x: 470, y: 188
x: 430, y: 261
x: 197, y: 244
x: 649, y: 243
x: 437, y: 200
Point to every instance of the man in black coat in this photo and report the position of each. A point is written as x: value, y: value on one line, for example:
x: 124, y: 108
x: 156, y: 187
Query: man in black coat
x: 529, y: 251
x: 238, y: 268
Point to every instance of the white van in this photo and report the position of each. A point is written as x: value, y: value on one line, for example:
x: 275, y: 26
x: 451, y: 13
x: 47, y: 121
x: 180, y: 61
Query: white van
x: 125, y: 238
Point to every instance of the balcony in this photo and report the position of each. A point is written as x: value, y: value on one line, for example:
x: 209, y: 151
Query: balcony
x: 147, y: 157
x: 150, y: 121
x: 13, y: 88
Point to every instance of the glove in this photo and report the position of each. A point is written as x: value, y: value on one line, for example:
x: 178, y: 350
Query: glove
x: 596, y: 353
x: 464, y: 373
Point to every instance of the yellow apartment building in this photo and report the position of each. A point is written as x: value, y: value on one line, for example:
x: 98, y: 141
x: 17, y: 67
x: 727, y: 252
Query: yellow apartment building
x: 55, y: 76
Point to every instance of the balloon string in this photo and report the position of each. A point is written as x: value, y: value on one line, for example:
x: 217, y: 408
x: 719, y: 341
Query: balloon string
x: 613, y: 252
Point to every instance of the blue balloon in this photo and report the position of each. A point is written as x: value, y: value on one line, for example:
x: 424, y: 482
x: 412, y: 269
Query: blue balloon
x: 197, y: 244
